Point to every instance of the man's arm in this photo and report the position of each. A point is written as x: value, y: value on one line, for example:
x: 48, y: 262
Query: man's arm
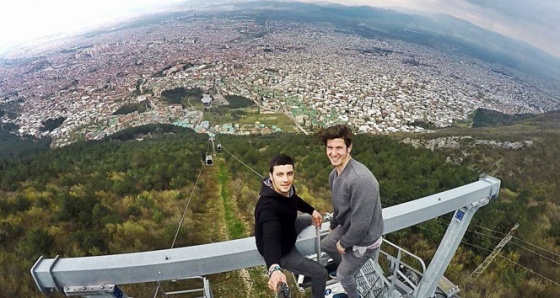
x: 272, y: 242
x: 275, y: 276
x: 303, y: 206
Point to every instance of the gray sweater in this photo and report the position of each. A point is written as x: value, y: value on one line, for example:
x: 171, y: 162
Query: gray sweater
x: 357, y: 206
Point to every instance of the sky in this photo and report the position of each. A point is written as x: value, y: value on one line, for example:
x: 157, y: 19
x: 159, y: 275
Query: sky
x: 24, y: 20
x: 536, y: 22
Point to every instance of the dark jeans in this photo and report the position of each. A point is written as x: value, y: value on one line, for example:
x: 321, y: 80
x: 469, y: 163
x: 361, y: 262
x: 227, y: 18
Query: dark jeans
x: 348, y: 263
x: 298, y: 264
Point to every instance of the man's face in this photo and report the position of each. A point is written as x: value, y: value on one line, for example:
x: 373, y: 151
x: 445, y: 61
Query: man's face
x: 282, y: 178
x: 337, y: 152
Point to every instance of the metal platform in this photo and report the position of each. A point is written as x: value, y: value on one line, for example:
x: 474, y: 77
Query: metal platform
x: 63, y: 274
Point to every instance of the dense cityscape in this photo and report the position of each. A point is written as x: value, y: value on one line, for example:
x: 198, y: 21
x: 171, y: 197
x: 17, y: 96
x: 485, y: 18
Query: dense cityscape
x: 314, y: 73
x: 158, y: 130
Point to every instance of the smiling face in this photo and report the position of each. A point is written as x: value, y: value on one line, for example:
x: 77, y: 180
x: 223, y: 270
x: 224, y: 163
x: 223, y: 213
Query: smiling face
x: 338, y: 153
x: 282, y: 178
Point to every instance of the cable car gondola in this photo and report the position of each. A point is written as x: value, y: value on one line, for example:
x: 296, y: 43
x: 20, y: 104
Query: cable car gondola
x: 209, y: 160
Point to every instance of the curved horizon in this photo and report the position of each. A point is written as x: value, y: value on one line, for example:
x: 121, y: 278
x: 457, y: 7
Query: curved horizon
x: 535, y: 23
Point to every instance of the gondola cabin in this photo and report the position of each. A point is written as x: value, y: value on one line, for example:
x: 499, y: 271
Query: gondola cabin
x: 209, y: 160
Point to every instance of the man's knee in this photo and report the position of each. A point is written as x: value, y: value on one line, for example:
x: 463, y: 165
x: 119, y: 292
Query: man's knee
x: 303, y: 221
x: 305, y: 218
x: 345, y: 278
x: 327, y: 245
x: 320, y: 274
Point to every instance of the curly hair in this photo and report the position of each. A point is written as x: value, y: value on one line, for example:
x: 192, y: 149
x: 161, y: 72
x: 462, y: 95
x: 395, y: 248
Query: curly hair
x: 339, y: 131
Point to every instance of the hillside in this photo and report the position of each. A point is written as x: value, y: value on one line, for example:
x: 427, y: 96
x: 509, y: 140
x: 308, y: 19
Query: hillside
x: 524, y: 155
x: 123, y: 195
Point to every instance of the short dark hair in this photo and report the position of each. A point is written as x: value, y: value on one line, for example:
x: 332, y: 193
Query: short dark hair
x: 339, y: 131
x: 280, y: 160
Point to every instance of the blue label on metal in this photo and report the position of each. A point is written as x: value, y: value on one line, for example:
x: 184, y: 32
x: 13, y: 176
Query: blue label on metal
x: 117, y: 292
x: 459, y: 214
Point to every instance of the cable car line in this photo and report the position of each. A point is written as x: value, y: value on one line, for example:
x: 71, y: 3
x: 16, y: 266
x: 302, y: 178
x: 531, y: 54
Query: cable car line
x: 513, y: 242
x: 520, y: 246
x: 186, y: 207
x: 261, y: 176
x: 517, y: 244
x: 158, y: 285
x: 487, y: 235
x: 489, y: 250
x: 528, y: 243
x: 208, y: 156
x: 515, y: 263
x: 538, y: 254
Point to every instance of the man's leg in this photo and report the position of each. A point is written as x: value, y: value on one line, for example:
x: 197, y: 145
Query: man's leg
x: 299, y: 264
x: 328, y: 244
x: 352, y: 262
x: 303, y: 221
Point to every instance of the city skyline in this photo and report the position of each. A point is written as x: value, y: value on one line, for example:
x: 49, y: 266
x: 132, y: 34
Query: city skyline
x: 534, y: 22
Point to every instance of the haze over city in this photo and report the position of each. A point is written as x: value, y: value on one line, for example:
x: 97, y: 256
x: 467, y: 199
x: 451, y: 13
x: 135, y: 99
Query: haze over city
x: 535, y: 22
x: 378, y: 70
x: 107, y: 110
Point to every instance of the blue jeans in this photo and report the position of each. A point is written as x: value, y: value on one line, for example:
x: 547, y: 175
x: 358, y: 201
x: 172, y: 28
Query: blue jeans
x: 299, y: 264
x: 348, y: 263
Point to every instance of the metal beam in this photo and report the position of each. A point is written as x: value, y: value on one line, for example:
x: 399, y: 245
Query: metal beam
x: 179, y: 263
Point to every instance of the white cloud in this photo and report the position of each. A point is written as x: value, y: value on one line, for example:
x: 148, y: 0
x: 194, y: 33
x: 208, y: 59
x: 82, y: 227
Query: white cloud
x: 536, y: 21
x: 31, y: 19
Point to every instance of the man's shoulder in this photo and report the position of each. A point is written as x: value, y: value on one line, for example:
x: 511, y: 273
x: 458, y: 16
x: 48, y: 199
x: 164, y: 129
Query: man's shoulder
x: 360, y: 171
x: 358, y: 167
x: 265, y: 201
x: 264, y: 205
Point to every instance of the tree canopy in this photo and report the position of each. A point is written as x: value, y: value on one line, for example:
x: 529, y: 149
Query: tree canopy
x: 123, y: 195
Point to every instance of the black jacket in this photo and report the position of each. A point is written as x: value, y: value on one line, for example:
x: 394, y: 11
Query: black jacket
x: 275, y: 216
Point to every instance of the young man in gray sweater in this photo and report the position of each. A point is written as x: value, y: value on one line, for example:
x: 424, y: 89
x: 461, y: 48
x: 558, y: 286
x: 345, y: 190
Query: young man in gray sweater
x: 357, y: 223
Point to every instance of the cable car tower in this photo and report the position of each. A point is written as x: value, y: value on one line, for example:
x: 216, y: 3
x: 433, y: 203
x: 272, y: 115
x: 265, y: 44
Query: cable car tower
x: 99, y: 276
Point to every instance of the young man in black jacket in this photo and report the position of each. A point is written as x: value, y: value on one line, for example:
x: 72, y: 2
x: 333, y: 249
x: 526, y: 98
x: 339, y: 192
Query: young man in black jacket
x: 277, y: 225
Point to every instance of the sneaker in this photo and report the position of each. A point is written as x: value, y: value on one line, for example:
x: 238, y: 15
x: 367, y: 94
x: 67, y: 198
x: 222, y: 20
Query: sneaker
x: 332, y: 274
x: 344, y: 295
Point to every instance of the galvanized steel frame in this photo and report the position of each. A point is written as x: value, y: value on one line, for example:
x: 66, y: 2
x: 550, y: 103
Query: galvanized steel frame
x: 199, y: 260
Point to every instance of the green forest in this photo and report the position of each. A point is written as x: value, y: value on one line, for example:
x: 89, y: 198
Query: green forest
x: 13, y: 147
x: 52, y: 124
x: 139, y: 107
x: 182, y: 95
x: 120, y: 195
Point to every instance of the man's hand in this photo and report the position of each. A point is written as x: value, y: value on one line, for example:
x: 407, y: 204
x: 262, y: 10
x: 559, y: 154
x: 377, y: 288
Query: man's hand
x: 275, y: 278
x: 283, y: 291
x: 339, y: 247
x: 317, y: 218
